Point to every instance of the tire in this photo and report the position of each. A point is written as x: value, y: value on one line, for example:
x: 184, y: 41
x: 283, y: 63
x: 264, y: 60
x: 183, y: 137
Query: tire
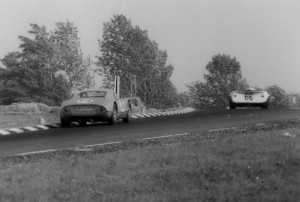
x: 64, y: 123
x: 128, y: 118
x: 231, y: 105
x: 264, y: 106
x: 113, y: 119
x: 82, y: 123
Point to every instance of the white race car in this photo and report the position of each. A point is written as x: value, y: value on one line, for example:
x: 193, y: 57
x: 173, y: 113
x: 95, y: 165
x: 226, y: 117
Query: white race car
x: 94, y: 106
x: 249, y: 97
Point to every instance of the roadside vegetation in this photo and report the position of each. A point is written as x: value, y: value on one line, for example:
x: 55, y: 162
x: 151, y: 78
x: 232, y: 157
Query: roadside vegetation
x: 224, y: 75
x: 46, y: 68
x: 49, y: 66
x: 258, y: 166
x: 27, y: 114
x: 17, y: 120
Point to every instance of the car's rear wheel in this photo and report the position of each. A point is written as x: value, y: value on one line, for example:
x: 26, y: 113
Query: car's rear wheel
x: 231, y: 105
x: 64, y: 123
x: 264, y: 106
x: 113, y: 119
x: 82, y: 123
x: 128, y: 118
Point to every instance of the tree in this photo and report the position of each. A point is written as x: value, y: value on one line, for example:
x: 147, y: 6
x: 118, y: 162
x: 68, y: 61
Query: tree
x: 115, y: 48
x: 279, y: 98
x: 128, y: 52
x: 202, y: 95
x: 296, y: 97
x: 184, y: 99
x: 17, y: 81
x: 224, y: 75
x: 68, y: 57
x: 48, y: 67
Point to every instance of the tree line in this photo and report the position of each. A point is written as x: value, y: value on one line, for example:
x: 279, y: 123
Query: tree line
x: 50, y: 66
x: 46, y: 69
x: 128, y: 52
x: 224, y: 76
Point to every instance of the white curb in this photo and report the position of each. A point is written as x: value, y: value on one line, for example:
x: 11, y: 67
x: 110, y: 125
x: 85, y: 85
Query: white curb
x: 57, y: 125
x: 16, y: 130
x: 3, y: 132
x: 30, y: 128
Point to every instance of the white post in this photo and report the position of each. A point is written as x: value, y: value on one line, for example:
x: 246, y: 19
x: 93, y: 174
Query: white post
x: 117, y: 85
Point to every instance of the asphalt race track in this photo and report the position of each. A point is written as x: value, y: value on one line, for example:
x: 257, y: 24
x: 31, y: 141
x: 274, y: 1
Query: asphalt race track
x: 197, y: 121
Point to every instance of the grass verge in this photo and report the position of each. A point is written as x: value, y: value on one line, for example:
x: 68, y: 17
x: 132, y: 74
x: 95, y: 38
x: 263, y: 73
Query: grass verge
x: 27, y: 114
x: 17, y: 120
x: 253, y: 166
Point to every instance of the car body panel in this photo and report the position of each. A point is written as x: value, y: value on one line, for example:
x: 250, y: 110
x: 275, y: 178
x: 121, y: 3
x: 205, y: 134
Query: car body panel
x: 249, y: 97
x: 137, y: 105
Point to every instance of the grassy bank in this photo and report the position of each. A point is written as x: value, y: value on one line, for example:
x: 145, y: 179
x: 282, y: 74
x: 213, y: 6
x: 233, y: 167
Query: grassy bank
x: 27, y: 114
x: 15, y: 120
x: 260, y: 166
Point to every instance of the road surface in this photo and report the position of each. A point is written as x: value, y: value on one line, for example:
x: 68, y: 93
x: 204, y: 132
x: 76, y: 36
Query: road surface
x: 197, y: 121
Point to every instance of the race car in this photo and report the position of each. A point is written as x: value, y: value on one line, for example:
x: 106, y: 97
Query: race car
x: 249, y: 97
x: 101, y: 105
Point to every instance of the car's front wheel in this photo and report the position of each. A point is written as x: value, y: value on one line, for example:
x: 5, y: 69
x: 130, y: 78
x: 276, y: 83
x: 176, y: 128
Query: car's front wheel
x: 264, y: 106
x: 128, y: 118
x: 64, y: 123
x: 113, y: 119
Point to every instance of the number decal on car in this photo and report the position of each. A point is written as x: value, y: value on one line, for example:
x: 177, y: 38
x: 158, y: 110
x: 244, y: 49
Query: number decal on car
x: 248, y: 97
x: 84, y: 101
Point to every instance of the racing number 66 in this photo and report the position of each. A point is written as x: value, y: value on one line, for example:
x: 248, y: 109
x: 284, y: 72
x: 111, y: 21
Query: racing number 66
x: 248, y: 97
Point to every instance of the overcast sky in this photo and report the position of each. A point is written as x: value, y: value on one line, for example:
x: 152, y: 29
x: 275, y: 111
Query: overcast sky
x: 264, y: 35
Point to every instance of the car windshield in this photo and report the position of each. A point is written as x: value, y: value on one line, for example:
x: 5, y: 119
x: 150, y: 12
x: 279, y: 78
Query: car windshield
x: 87, y: 94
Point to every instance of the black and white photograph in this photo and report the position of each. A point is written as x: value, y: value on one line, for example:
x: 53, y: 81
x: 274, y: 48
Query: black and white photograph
x: 149, y: 100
